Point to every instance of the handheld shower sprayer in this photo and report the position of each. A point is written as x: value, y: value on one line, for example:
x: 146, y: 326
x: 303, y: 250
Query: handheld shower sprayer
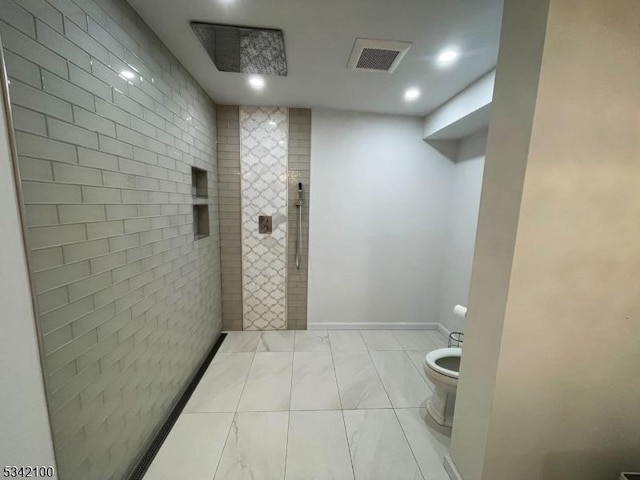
x: 299, y: 232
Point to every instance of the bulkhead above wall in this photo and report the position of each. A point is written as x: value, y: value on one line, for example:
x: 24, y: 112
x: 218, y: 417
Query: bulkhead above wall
x: 463, y: 115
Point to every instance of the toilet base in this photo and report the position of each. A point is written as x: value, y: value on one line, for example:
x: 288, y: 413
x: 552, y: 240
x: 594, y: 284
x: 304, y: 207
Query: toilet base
x: 441, y: 406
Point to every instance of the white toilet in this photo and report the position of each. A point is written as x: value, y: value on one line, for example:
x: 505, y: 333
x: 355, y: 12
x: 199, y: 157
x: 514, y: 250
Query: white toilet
x: 442, y: 367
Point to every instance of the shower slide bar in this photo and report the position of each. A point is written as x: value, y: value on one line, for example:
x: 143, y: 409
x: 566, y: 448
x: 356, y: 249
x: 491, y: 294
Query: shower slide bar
x: 299, y: 225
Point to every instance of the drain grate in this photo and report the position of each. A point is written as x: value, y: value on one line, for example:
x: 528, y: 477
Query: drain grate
x: 147, y: 457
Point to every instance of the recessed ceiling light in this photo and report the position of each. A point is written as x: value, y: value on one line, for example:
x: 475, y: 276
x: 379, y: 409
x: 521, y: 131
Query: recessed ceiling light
x: 411, y: 94
x: 129, y: 75
x: 256, y: 82
x: 447, y: 56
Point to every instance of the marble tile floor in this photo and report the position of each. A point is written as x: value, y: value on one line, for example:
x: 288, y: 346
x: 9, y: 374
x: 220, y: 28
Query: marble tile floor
x: 303, y: 405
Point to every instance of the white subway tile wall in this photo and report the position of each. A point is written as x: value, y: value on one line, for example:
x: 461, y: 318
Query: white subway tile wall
x: 108, y: 125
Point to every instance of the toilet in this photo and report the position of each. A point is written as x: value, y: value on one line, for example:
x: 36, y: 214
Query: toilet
x: 442, y: 367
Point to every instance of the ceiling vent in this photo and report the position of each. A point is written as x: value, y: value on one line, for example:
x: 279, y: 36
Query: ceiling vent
x: 377, y: 55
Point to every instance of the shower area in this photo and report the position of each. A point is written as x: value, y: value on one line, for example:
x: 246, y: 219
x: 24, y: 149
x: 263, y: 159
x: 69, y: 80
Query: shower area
x: 139, y: 198
x: 264, y: 173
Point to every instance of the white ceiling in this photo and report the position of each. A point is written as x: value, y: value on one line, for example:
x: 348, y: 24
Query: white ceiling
x: 319, y: 35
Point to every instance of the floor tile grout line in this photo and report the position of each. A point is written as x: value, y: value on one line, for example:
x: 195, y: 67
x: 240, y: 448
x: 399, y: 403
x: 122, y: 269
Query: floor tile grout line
x: 344, y: 423
x: 415, y: 459
x: 418, y: 369
x: 286, y: 447
x: 409, y: 349
x: 384, y: 387
x: 246, y: 377
x: 335, y: 378
x: 215, y: 472
x: 348, y: 349
x: 224, y: 447
x: 235, y: 413
x: 346, y: 434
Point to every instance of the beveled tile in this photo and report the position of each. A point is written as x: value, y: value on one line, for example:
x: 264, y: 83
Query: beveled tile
x: 404, y: 385
x: 276, y: 341
x: 312, y: 341
x: 358, y: 382
x: 255, y: 448
x: 240, y: 342
x: 413, y: 339
x: 193, y: 448
x: 380, y: 340
x: 346, y: 340
x: 428, y: 441
x: 314, y: 382
x: 379, y: 449
x: 220, y: 388
x: 317, y: 447
x: 268, y: 385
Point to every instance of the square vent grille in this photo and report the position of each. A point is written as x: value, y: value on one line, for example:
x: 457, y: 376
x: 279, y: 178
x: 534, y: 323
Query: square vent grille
x: 377, y: 55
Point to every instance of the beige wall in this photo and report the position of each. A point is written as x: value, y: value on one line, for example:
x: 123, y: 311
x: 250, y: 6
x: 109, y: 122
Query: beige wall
x: 508, y: 144
x: 566, y: 394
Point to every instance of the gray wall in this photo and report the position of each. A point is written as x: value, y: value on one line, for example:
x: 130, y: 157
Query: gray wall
x: 464, y: 202
x: 128, y: 303
x: 379, y: 208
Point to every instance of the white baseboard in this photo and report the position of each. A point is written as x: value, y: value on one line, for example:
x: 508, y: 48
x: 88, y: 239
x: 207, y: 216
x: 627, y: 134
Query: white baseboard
x: 376, y: 326
x: 451, y: 468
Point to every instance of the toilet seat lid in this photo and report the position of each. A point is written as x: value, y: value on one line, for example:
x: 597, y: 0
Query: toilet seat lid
x: 436, y: 355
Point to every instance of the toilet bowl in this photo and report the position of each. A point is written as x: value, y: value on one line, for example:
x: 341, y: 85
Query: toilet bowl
x: 442, y: 367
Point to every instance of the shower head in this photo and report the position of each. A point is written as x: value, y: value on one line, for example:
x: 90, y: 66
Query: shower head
x: 300, y: 186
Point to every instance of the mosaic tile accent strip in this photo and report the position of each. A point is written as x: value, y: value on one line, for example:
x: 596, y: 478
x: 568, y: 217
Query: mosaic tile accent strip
x: 263, y: 164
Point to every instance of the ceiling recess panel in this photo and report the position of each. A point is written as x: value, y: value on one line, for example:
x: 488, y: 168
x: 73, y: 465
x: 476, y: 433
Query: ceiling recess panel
x: 243, y: 49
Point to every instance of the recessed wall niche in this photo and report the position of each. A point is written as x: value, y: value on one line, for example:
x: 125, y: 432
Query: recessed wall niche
x: 199, y: 185
x: 199, y: 190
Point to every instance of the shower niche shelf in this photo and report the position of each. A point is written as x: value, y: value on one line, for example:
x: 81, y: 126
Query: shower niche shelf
x: 200, y: 193
x: 200, y: 221
x: 199, y: 183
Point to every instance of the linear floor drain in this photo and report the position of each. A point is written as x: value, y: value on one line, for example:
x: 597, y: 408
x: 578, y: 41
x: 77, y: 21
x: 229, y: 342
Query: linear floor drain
x: 145, y: 461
